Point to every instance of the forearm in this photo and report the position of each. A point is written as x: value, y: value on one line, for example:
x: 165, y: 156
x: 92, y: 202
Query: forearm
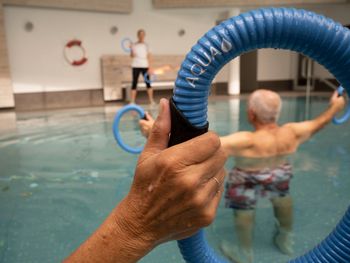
x: 114, y: 241
x: 132, y: 53
x: 325, y: 118
x: 149, y: 58
x: 226, y: 146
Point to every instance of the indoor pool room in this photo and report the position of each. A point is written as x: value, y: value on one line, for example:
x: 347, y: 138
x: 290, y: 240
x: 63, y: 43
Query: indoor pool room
x: 166, y: 131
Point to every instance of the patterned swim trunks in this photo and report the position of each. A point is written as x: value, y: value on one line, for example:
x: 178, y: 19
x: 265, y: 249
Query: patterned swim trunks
x: 244, y: 187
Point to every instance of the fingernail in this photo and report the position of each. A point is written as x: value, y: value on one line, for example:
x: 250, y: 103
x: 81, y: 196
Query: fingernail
x: 161, y: 106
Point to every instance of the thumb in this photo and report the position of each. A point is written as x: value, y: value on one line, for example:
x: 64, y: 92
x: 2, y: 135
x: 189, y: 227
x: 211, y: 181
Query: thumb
x: 159, y: 136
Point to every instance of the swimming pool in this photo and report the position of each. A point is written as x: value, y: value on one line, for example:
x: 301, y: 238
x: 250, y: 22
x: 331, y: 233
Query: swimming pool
x: 62, y: 173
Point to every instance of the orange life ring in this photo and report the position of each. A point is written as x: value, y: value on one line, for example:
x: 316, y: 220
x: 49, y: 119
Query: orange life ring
x: 75, y: 43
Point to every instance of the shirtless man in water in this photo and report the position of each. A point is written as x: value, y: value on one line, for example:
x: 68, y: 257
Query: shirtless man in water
x: 261, y: 167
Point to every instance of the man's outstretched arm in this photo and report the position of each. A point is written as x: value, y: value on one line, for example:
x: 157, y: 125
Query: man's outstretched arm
x: 235, y: 143
x: 232, y: 144
x: 304, y: 130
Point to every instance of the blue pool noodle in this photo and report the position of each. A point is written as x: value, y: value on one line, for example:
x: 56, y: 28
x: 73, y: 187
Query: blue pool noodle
x: 149, y: 78
x: 346, y: 116
x: 116, y: 132
x: 125, y: 41
x: 313, y: 35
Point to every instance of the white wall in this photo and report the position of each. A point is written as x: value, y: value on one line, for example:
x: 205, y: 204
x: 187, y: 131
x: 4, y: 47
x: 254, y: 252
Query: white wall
x: 276, y: 64
x: 37, y: 62
x: 36, y: 58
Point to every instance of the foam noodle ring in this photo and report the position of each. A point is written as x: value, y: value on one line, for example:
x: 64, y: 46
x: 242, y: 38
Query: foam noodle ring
x: 313, y: 35
x: 125, y: 44
x: 346, y: 116
x: 149, y: 78
x: 116, y: 133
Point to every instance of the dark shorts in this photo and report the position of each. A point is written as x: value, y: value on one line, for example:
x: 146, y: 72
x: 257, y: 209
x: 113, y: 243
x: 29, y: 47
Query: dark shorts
x: 135, y: 77
x: 244, y: 187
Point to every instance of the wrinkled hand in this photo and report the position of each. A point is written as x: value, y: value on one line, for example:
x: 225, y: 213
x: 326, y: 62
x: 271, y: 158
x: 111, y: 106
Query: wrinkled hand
x: 336, y: 101
x: 146, y: 125
x: 174, y: 192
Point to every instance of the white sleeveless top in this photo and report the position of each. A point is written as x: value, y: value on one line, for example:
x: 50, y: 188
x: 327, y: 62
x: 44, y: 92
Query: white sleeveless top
x: 140, y: 59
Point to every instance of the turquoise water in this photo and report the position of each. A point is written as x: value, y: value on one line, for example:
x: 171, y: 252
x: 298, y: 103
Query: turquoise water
x: 62, y: 173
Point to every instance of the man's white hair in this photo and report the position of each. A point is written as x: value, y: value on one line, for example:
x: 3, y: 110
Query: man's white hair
x: 266, y: 105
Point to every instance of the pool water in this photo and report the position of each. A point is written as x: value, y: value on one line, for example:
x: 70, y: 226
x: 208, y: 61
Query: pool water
x: 62, y: 173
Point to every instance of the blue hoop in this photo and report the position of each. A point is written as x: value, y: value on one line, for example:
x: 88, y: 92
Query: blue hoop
x: 118, y: 116
x: 149, y: 78
x: 123, y: 43
x: 346, y: 115
x: 313, y: 35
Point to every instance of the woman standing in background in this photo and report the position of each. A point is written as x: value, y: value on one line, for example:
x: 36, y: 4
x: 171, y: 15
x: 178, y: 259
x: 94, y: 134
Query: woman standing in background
x: 141, y: 55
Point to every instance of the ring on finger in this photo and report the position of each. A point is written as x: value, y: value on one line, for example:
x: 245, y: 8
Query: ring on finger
x: 218, y: 183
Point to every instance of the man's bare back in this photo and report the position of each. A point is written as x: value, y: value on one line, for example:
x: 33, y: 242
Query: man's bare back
x: 271, y: 140
x: 265, y: 148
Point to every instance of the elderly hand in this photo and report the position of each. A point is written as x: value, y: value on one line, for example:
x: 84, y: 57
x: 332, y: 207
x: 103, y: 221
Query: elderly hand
x: 336, y: 101
x: 175, y: 192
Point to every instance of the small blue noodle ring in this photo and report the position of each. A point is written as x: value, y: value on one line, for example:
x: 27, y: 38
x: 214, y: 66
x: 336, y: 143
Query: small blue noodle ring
x: 313, y: 35
x: 117, y: 136
x: 123, y: 44
x: 346, y: 116
x: 149, y: 78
